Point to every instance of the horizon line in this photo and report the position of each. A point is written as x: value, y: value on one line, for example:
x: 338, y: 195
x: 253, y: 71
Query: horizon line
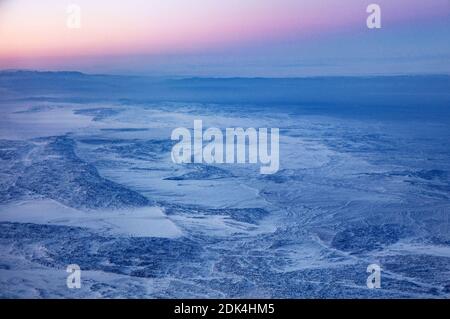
x: 180, y: 77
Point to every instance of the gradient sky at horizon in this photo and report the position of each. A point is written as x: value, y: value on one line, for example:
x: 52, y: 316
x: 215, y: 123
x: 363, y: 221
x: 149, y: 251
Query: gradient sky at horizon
x: 227, y: 38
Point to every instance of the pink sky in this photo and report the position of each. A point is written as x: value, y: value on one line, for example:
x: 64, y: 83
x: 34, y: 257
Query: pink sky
x: 37, y: 29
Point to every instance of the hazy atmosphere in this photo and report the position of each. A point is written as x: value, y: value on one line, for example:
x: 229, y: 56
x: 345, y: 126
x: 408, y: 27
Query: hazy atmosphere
x: 233, y: 38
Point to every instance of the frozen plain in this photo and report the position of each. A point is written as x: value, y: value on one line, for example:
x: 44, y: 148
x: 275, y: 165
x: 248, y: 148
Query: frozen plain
x: 86, y: 177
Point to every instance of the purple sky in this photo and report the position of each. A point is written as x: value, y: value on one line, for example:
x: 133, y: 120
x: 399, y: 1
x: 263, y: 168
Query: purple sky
x: 227, y: 38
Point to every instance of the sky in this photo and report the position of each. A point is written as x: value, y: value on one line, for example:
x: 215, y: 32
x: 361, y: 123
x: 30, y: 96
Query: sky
x: 226, y: 38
